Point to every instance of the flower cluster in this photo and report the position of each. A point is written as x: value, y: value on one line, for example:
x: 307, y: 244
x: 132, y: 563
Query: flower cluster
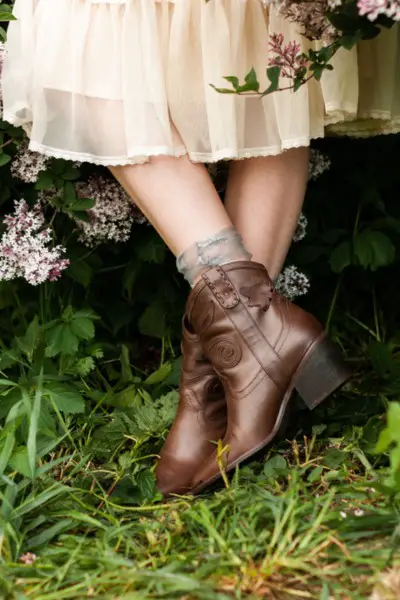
x: 113, y: 215
x: 319, y: 163
x: 24, y: 250
x: 301, y: 229
x: 29, y: 558
x: 291, y: 283
x: 311, y: 16
x: 374, y: 8
x: 27, y: 165
x: 286, y: 56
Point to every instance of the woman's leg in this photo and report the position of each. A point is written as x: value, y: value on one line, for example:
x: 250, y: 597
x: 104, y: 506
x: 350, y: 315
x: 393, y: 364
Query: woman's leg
x: 264, y: 198
x: 180, y: 201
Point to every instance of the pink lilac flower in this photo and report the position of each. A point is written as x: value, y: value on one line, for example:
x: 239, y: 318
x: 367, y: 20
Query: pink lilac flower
x: 27, y: 165
x: 291, y: 283
x: 24, y: 250
x: 319, y: 163
x: 372, y: 9
x: 113, y: 215
x: 29, y: 558
x: 286, y: 56
x: 311, y: 16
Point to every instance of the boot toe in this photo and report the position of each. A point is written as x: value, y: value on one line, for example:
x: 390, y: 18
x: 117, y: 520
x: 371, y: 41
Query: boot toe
x: 173, y: 477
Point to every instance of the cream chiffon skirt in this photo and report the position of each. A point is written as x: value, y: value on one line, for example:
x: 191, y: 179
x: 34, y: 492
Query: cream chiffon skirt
x: 116, y: 81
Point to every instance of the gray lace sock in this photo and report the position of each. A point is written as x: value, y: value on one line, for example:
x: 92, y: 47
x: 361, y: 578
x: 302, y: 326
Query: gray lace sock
x: 224, y: 247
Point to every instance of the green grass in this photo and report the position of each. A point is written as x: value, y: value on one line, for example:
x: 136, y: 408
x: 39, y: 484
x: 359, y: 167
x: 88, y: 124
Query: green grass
x: 312, y: 521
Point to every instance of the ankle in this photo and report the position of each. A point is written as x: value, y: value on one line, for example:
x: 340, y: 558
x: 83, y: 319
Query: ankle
x: 221, y: 248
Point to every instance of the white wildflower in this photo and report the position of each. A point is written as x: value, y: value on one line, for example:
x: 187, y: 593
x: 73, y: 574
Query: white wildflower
x: 358, y: 512
x: 319, y: 163
x: 24, y: 250
x: 113, y: 215
x: 291, y: 283
x: 27, y: 165
x: 301, y: 229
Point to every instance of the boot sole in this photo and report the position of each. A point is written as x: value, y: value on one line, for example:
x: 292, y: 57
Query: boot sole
x: 321, y: 372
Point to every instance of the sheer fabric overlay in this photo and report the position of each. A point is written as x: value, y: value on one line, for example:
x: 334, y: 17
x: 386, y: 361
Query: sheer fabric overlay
x: 116, y: 81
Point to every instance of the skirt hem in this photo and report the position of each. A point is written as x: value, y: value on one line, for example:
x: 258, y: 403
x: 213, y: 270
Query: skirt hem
x: 144, y: 157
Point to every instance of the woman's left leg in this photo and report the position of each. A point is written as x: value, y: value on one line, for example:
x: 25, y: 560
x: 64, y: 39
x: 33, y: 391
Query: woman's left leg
x: 264, y: 197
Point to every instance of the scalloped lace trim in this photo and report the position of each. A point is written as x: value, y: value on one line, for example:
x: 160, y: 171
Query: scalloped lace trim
x: 196, y: 157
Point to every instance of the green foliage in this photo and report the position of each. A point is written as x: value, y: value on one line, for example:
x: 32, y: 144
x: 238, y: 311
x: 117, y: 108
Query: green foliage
x: 89, y: 368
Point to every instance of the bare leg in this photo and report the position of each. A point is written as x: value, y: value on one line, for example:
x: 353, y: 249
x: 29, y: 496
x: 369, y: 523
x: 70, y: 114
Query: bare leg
x: 264, y: 198
x: 178, y: 198
x: 181, y: 202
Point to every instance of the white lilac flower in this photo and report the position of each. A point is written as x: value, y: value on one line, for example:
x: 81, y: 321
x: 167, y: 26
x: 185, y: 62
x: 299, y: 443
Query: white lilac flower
x: 301, y: 229
x: 333, y: 4
x: 319, y: 163
x: 27, y: 165
x: 372, y: 9
x: 24, y: 250
x: 291, y: 283
x: 113, y: 215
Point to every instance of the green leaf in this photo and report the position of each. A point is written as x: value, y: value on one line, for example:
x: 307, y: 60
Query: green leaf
x: 29, y: 342
x: 48, y: 534
x: 61, y: 340
x: 341, y: 257
x: 6, y: 16
x: 45, y: 181
x: 152, y: 322
x: 315, y: 474
x: 4, y: 159
x: 127, y: 398
x: 393, y: 420
x: 19, y: 462
x: 82, y: 328
x: 275, y: 467
x: 40, y: 499
x: 71, y: 173
x: 334, y: 458
x: 80, y: 272
x: 373, y: 249
x: 233, y: 80
x: 160, y: 375
x: 252, y: 84
x: 33, y: 426
x: 66, y: 397
x: 145, y: 481
x: 82, y: 204
x: 69, y: 195
x: 7, y: 447
x: 273, y: 74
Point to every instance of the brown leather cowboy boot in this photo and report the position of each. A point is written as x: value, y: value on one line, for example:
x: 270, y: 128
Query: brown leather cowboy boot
x: 262, y: 347
x: 201, y: 419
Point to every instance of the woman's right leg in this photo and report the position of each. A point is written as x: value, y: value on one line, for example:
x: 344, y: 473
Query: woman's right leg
x: 180, y: 201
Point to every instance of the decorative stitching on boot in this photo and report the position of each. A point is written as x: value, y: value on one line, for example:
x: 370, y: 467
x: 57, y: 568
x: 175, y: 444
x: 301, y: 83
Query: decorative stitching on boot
x: 228, y: 299
x: 224, y: 354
